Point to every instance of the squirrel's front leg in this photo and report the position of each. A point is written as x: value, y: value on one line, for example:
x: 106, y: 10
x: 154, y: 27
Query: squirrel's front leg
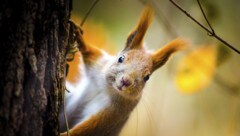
x: 89, y: 127
x: 82, y: 129
x: 90, y: 53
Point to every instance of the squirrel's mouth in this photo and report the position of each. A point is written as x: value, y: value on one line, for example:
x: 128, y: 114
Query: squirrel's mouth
x: 116, y: 81
x: 121, y: 87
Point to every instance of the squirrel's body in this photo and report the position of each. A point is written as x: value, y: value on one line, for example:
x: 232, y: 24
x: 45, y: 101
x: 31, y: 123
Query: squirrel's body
x: 92, y: 96
x: 111, y: 86
x: 88, y: 96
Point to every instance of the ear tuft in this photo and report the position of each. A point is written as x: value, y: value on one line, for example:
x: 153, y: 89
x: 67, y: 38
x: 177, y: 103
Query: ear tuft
x: 176, y: 45
x: 136, y: 36
x: 161, y: 56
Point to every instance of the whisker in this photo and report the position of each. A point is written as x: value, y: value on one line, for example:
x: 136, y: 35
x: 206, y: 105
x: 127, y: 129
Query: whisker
x: 147, y: 95
x: 150, y: 119
x: 137, y: 122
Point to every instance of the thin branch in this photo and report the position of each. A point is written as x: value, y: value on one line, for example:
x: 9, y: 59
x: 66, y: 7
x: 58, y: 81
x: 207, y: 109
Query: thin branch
x: 88, y: 12
x: 65, y: 115
x: 64, y: 101
x: 205, y: 17
x: 187, y: 14
x: 205, y: 28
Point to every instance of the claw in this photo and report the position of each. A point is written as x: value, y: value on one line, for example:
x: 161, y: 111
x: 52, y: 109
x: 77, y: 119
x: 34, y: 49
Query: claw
x: 75, y: 27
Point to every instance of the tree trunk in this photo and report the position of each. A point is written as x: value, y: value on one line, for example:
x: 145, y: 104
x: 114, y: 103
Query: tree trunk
x: 34, y: 36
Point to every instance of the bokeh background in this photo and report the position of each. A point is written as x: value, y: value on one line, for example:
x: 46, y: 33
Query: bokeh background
x: 197, y: 92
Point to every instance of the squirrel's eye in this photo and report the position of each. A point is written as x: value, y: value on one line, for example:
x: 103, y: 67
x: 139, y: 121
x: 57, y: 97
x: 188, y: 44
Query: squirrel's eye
x: 121, y: 59
x: 146, y: 78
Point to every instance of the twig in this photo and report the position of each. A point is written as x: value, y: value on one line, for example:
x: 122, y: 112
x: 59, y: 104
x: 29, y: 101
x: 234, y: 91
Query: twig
x: 65, y: 115
x: 88, y: 12
x: 213, y: 34
x: 64, y: 103
x: 205, y: 17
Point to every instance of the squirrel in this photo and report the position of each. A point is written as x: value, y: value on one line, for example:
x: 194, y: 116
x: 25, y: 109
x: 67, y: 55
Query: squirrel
x: 111, y: 86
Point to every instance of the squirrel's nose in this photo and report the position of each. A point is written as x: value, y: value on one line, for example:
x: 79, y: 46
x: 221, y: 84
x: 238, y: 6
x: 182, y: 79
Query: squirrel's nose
x: 126, y: 81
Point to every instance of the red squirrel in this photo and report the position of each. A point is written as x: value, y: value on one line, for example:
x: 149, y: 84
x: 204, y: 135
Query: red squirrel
x: 111, y: 86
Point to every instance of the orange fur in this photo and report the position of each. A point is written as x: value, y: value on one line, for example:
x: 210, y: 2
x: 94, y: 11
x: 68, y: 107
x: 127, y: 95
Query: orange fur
x: 161, y: 56
x: 73, y: 71
x: 136, y: 37
x: 136, y: 66
x: 105, y: 121
x: 97, y: 35
x: 90, y: 53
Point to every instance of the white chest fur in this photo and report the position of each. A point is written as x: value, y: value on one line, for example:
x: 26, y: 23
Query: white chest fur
x: 87, y: 97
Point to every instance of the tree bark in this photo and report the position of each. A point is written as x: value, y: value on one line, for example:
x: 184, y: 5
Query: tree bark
x: 34, y: 36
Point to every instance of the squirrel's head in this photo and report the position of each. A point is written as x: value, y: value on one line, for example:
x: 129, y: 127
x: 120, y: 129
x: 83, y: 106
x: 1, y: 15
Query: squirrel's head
x: 133, y: 66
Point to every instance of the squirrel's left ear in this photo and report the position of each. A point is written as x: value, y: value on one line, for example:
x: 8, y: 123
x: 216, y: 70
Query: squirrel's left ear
x: 161, y: 56
x: 135, y: 38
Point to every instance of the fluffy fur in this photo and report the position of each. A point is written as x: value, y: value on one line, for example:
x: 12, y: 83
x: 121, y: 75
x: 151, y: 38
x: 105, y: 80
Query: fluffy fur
x: 112, y: 85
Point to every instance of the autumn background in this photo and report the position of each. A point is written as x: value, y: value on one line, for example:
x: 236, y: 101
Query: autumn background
x: 197, y: 92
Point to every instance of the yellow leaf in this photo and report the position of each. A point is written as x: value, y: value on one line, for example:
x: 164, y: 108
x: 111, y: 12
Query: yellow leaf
x: 195, y: 71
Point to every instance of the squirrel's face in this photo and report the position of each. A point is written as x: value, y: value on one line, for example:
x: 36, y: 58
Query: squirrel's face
x: 131, y: 69
x: 129, y: 72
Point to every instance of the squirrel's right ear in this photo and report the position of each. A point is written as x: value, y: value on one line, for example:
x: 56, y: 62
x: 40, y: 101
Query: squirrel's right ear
x: 161, y: 56
x: 135, y: 38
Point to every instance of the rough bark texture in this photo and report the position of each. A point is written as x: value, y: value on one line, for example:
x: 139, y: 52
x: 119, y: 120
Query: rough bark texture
x: 34, y: 36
